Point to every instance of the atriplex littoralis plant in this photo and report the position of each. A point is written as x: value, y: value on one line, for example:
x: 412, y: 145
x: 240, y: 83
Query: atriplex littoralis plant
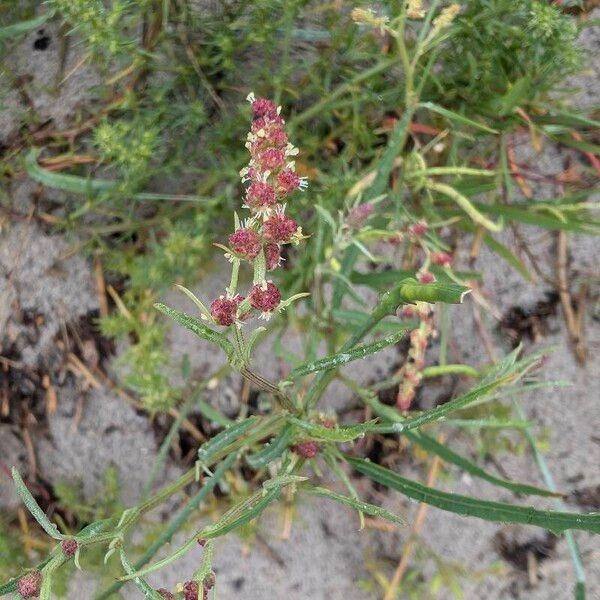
x: 295, y: 430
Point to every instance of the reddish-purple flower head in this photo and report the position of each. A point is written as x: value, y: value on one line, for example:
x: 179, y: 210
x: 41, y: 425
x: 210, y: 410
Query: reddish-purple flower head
x: 272, y: 256
x: 29, y: 585
x: 245, y: 242
x: 279, y: 228
x: 263, y: 107
x: 442, y: 259
x: 271, y: 158
x: 69, y: 547
x: 260, y: 196
x: 265, y: 297
x: 306, y: 449
x: 224, y: 310
x: 191, y: 590
x: 426, y: 277
x: 288, y: 181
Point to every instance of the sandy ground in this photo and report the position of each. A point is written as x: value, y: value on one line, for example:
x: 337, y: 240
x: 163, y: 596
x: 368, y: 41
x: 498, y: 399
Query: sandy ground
x: 43, y: 286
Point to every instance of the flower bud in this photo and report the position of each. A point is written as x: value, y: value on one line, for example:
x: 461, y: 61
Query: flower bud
x: 191, y: 590
x: 442, y: 259
x: 245, y: 242
x: 359, y: 215
x: 306, y: 449
x: 265, y: 297
x: 262, y: 107
x: 272, y: 158
x: 418, y: 229
x: 426, y: 277
x: 166, y: 594
x: 69, y: 547
x: 29, y: 585
x: 288, y: 181
x: 272, y: 256
x: 223, y: 310
x: 260, y: 195
x: 279, y: 228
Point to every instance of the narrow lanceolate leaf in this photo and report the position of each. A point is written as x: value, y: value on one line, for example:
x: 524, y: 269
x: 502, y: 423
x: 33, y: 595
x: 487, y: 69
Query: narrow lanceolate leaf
x: 11, y: 31
x: 363, y: 507
x: 273, y: 450
x: 201, y: 307
x: 341, y: 358
x: 87, y: 185
x: 453, y: 116
x: 500, y: 512
x: 440, y: 412
x: 432, y: 445
x: 334, y: 434
x: 34, y: 508
x: 207, y: 451
x: 197, y: 327
x: 465, y: 204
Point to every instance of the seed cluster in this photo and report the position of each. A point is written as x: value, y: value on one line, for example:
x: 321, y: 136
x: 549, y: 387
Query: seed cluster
x: 270, y: 177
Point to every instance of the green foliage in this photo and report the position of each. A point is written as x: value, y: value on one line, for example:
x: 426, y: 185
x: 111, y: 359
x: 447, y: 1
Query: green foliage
x: 172, y: 116
x: 504, y: 53
x: 102, y: 25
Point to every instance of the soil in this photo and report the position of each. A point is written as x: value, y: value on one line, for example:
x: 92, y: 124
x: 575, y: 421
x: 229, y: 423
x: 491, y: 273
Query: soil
x: 57, y: 424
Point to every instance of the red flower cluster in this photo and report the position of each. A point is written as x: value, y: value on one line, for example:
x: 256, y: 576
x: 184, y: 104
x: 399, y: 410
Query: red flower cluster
x: 271, y: 177
x: 29, y: 585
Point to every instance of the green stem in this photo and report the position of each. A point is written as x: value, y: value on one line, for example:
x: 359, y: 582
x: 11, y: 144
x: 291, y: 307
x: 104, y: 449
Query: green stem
x: 176, y: 524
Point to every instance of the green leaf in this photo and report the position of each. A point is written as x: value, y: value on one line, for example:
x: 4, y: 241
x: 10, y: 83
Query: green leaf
x: 11, y: 31
x: 432, y: 445
x: 34, y: 508
x: 273, y: 450
x: 334, y: 434
x: 464, y: 203
x: 363, y: 507
x: 334, y: 361
x: 352, y: 319
x: 197, y: 327
x: 440, y: 412
x: 499, y: 512
x: 87, y: 185
x: 529, y: 215
x: 513, y: 97
x: 383, y: 279
x: 207, y: 451
x: 506, y: 253
x: 453, y: 116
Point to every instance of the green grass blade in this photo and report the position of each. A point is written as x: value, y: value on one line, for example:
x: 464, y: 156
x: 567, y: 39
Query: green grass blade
x: 87, y: 185
x: 499, y: 512
x: 432, y: 445
x: 453, y: 116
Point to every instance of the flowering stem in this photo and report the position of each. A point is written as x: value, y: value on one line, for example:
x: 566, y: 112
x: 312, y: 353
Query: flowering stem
x: 235, y: 270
